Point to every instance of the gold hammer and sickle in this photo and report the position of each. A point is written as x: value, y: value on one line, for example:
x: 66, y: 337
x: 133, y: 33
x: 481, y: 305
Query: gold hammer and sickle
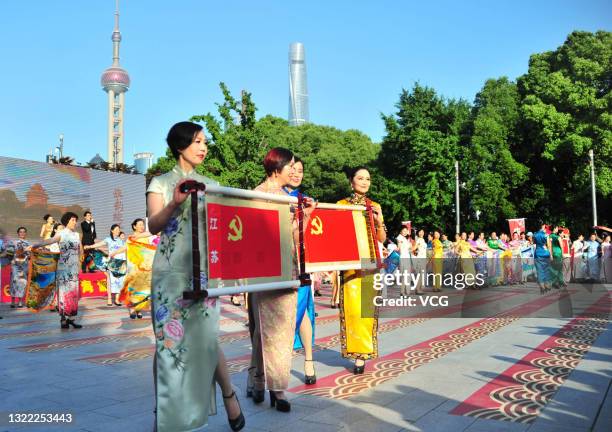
x: 317, y: 226
x: 235, y: 227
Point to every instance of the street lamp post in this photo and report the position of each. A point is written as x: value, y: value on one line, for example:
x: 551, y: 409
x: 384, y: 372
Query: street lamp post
x: 593, y: 194
x: 458, y: 226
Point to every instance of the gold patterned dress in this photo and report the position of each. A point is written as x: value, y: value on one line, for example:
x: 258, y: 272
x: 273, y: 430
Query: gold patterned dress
x: 272, y: 318
x: 358, y: 327
x: 438, y: 263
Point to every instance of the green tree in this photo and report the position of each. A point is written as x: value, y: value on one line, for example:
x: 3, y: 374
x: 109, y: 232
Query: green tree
x: 566, y: 110
x: 491, y: 173
x: 239, y: 142
x: 417, y: 157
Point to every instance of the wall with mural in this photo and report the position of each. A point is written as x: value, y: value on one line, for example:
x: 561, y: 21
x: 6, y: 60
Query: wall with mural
x: 29, y: 190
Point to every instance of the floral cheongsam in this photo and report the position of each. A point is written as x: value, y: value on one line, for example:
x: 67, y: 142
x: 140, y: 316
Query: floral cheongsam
x: 185, y: 332
x: 67, y: 275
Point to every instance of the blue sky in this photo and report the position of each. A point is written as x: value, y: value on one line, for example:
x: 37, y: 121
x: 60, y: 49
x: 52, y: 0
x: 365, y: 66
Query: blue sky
x: 359, y: 55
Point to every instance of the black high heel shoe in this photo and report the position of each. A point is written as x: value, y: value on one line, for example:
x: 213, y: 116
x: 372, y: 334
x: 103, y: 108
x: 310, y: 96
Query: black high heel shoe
x: 309, y: 379
x: 73, y: 324
x: 358, y: 370
x: 64, y: 324
x: 282, y: 405
x: 257, y: 395
x: 239, y: 422
x: 250, y: 386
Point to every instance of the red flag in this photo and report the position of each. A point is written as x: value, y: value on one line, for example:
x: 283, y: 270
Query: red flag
x: 516, y: 225
x: 565, y: 246
x: 330, y: 236
x: 243, y: 242
x: 336, y: 240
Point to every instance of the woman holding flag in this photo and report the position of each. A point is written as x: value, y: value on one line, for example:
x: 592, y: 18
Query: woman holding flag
x: 272, y: 314
x: 187, y: 359
x: 305, y: 318
x: 359, y: 329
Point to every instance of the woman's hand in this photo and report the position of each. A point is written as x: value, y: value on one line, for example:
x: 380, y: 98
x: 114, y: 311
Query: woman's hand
x: 179, y: 197
x: 377, y: 214
x: 309, y: 206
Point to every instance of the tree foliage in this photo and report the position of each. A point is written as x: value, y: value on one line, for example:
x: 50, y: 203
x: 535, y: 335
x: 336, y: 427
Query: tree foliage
x: 566, y: 110
x: 239, y: 142
x: 522, y: 147
x: 417, y: 157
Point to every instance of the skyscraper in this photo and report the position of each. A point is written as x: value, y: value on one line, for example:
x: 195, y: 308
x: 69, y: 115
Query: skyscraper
x: 298, y: 90
x: 115, y: 81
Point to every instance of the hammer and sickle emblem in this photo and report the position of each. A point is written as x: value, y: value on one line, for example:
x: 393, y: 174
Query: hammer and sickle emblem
x: 317, y: 226
x: 235, y: 227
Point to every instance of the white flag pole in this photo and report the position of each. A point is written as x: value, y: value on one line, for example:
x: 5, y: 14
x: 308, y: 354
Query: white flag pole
x: 217, y: 292
x: 247, y: 194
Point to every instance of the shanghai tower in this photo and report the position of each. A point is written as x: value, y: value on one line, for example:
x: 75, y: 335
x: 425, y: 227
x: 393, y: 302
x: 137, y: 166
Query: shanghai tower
x: 298, y: 90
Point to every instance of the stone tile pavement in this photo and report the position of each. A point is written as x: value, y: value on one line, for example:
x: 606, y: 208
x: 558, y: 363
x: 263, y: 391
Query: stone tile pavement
x: 44, y: 369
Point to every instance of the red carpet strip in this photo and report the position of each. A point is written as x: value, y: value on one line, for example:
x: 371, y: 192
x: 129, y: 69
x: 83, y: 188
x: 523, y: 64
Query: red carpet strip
x: 344, y: 384
x: 520, y: 392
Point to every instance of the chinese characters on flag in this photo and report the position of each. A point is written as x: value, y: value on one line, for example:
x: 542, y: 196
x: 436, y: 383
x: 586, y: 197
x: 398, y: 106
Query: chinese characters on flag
x: 248, y: 240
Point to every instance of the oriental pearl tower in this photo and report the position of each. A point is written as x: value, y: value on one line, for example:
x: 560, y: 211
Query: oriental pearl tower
x: 115, y: 81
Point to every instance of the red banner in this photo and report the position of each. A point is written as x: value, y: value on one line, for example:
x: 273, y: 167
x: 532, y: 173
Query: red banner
x: 516, y: 225
x: 5, y: 283
x: 330, y: 237
x: 337, y: 240
x: 565, y: 246
x: 93, y: 284
x: 243, y: 242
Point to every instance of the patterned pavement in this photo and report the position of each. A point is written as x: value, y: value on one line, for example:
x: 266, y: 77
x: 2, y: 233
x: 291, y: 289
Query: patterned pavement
x: 446, y: 369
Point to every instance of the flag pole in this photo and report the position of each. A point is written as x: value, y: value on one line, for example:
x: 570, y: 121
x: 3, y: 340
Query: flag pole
x: 248, y: 194
x: 269, y: 286
x: 304, y: 277
x: 197, y: 293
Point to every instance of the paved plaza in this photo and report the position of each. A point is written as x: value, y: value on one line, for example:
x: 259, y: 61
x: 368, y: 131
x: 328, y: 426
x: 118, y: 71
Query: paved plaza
x: 455, y: 371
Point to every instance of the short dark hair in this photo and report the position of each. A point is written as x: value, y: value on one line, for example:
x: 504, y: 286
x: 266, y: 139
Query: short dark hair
x: 181, y: 136
x: 113, y: 226
x: 352, y: 172
x: 136, y: 221
x: 67, y: 216
x: 46, y: 217
x: 22, y: 228
x: 55, y: 226
x: 86, y: 213
x: 276, y: 159
x: 297, y: 159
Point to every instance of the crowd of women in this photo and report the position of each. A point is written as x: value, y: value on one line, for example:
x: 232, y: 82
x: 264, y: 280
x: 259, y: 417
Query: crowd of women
x: 63, y: 240
x: 548, y: 257
x: 189, y: 361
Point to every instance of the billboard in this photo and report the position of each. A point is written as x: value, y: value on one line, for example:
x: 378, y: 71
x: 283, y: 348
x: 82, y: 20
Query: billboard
x: 29, y: 190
